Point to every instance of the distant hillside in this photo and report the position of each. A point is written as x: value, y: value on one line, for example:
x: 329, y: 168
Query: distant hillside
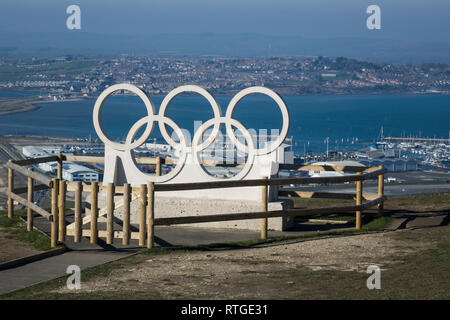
x: 239, y: 45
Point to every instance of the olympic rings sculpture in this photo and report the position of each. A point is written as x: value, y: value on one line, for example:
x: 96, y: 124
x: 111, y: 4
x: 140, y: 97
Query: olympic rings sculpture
x: 185, y: 147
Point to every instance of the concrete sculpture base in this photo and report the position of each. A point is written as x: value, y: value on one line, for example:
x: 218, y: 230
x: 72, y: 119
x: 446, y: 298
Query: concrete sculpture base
x: 179, y: 207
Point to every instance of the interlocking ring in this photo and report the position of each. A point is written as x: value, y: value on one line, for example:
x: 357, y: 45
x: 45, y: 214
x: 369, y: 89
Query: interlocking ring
x: 212, y: 101
x: 284, y: 112
x: 98, y: 125
x: 184, y: 146
x: 232, y: 122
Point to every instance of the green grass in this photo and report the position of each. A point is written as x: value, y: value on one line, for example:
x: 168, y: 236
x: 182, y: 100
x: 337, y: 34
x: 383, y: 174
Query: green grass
x: 10, y: 72
x: 417, y: 202
x: 15, y: 228
x: 422, y: 275
x: 414, y: 203
x: 376, y: 224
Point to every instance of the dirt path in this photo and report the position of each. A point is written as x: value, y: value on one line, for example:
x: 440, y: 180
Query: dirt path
x: 286, y: 271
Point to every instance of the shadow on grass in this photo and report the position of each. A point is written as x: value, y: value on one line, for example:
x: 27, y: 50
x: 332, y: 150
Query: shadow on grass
x: 370, y: 224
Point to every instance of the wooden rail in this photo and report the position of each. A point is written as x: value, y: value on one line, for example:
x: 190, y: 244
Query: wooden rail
x: 29, y: 173
x: 271, y: 182
x: 29, y: 204
x: 265, y: 208
x: 245, y: 183
x: 265, y: 215
x: 146, y: 195
x: 214, y: 163
x: 141, y: 160
x: 28, y: 162
x: 30, y: 199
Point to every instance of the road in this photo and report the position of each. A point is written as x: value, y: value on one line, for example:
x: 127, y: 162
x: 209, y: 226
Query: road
x: 19, y: 181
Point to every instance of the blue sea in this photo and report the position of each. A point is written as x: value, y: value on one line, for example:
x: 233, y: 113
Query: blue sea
x: 349, y: 121
x: 16, y: 94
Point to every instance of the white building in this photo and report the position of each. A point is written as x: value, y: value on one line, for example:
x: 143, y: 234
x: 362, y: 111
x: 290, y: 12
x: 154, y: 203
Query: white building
x: 75, y: 172
x: 51, y: 167
x: 71, y: 171
x: 34, y: 152
x: 284, y: 154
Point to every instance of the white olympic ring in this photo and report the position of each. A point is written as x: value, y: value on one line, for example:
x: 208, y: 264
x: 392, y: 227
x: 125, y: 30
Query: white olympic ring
x: 284, y: 112
x: 233, y: 122
x: 97, y: 115
x: 184, y: 146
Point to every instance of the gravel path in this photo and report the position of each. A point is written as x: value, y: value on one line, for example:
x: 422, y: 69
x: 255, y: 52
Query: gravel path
x: 224, y: 274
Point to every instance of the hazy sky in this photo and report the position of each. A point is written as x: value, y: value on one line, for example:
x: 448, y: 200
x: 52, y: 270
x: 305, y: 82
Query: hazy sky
x: 412, y: 20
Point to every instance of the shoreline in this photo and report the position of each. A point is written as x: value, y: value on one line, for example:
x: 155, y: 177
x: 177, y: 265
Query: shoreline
x: 22, y: 105
x: 27, y: 104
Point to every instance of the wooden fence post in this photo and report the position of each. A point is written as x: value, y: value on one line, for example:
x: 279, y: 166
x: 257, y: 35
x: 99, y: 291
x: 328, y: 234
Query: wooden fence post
x: 151, y: 215
x: 78, y: 206
x: 59, y: 171
x: 94, y: 212
x: 381, y: 193
x: 62, y: 210
x: 110, y: 214
x: 158, y: 166
x: 126, y: 214
x: 54, y: 209
x: 142, y: 214
x: 264, y: 209
x: 10, y: 189
x: 30, y: 199
x: 358, y: 202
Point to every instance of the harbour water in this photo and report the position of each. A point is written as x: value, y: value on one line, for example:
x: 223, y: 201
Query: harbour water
x: 348, y: 121
x: 16, y: 94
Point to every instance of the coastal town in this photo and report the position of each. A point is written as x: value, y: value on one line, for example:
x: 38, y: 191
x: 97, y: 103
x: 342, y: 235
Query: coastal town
x: 70, y: 77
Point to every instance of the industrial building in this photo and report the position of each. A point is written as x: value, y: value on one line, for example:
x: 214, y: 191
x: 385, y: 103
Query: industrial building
x: 76, y: 172
x: 71, y: 171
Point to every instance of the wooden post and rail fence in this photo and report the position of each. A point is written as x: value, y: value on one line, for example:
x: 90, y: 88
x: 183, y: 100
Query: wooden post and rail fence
x: 146, y: 193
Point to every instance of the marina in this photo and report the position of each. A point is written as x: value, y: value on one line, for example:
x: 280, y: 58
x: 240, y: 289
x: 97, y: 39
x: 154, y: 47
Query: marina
x: 395, y: 157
